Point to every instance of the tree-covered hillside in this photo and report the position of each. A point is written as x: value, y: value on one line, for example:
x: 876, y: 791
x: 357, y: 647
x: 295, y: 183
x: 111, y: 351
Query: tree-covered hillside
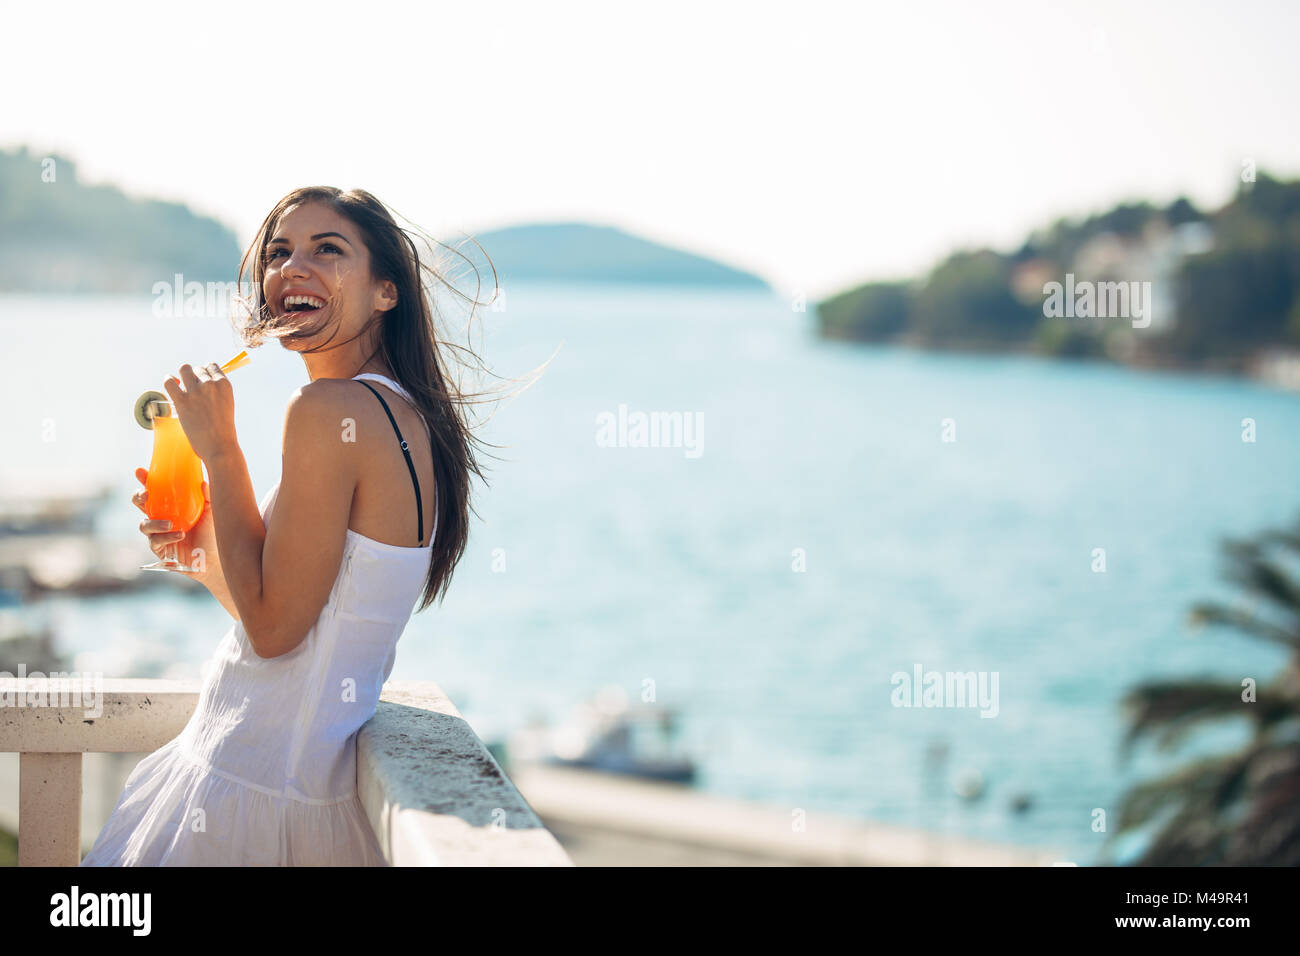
x: 58, y: 234
x: 1226, y: 286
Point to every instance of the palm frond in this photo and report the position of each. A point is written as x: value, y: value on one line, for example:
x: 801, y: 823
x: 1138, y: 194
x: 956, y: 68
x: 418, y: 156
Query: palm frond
x: 1285, y: 538
x: 1189, y: 839
x: 1270, y: 832
x: 1219, y: 615
x: 1209, y: 783
x: 1252, y: 569
x: 1170, y: 710
x: 1241, y: 808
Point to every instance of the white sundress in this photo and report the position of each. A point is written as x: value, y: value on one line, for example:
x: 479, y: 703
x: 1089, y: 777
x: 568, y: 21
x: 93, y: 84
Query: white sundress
x: 264, y: 773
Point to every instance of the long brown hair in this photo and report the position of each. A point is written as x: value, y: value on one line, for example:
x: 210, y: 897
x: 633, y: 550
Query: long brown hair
x: 408, y: 342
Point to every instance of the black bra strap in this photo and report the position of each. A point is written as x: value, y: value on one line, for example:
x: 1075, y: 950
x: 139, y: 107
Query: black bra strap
x: 419, y: 508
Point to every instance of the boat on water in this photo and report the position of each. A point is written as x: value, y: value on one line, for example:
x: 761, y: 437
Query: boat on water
x: 609, y: 735
x: 30, y: 509
x: 49, y: 543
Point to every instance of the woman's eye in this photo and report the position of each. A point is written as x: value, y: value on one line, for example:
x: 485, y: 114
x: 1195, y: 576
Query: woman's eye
x: 271, y: 254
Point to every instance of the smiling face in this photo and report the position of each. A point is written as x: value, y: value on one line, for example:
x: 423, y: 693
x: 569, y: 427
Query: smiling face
x: 318, y: 277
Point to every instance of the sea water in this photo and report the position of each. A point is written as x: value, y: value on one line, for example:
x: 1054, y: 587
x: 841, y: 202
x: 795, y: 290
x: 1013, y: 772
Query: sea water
x: 843, y: 514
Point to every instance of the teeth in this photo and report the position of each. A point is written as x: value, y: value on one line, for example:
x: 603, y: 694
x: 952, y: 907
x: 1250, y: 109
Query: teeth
x: 308, y: 300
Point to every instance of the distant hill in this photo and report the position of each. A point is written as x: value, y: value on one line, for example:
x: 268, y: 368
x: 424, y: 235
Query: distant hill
x: 63, y: 235
x: 67, y: 236
x: 577, y: 251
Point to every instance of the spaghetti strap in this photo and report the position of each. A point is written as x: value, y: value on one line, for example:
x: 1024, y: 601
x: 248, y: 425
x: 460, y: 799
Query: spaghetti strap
x: 419, y: 507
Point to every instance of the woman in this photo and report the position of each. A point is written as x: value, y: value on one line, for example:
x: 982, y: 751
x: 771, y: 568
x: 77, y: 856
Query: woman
x: 371, y: 513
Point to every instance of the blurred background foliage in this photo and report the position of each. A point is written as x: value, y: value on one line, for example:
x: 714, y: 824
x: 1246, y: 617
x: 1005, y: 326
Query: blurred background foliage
x: 1240, y: 808
x: 1233, y: 291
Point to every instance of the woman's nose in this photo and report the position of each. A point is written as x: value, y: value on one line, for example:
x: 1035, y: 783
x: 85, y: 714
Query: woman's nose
x: 293, y: 266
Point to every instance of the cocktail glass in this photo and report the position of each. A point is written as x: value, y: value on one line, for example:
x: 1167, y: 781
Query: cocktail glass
x: 175, y: 484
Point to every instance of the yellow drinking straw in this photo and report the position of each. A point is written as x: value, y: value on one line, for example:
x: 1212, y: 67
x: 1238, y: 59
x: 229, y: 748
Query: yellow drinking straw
x: 239, y: 361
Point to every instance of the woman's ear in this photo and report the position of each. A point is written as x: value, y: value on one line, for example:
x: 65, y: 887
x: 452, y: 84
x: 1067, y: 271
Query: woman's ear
x: 387, y: 296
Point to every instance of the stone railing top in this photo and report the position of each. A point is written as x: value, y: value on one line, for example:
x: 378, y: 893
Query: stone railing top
x: 435, y: 795
x: 432, y: 791
x: 117, y: 715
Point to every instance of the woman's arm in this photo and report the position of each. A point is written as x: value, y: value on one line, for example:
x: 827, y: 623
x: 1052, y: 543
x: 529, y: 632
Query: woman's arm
x: 277, y: 575
x: 213, y: 580
x: 212, y: 576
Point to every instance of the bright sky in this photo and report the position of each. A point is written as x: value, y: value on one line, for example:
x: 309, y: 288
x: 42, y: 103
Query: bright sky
x: 818, y: 144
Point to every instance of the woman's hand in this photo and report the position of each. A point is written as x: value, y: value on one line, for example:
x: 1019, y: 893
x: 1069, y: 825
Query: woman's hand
x: 200, y: 536
x: 206, y: 408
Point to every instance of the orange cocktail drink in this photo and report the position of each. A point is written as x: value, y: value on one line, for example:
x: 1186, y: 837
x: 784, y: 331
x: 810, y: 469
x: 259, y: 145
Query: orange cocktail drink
x: 174, y: 487
x: 175, y: 483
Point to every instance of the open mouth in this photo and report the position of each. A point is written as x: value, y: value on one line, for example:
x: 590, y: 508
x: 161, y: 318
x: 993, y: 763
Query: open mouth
x: 301, y: 305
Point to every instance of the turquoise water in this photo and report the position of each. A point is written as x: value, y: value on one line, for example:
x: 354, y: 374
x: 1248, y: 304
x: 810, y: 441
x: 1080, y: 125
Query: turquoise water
x: 631, y: 564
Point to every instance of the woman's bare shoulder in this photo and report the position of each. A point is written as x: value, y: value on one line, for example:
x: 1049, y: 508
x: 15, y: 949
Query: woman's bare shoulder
x: 324, y: 410
x: 325, y: 395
